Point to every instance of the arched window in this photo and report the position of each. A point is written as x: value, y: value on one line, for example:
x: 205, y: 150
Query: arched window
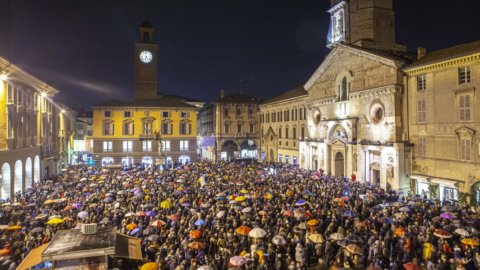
x: 344, y: 91
x: 146, y: 36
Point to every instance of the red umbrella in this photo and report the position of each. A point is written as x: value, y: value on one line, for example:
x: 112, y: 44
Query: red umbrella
x: 288, y: 213
x: 411, y: 266
x: 174, y: 217
x: 442, y: 233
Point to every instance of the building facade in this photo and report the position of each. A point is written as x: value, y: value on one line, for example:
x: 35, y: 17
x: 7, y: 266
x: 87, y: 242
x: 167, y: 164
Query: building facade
x: 35, y: 132
x: 229, y: 128
x: 355, y: 111
x: 444, y: 121
x: 283, y: 125
x: 154, y: 128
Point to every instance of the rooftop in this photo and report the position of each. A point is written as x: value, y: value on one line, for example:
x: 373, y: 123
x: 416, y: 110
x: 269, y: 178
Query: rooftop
x: 238, y: 98
x: 293, y: 93
x: 168, y: 101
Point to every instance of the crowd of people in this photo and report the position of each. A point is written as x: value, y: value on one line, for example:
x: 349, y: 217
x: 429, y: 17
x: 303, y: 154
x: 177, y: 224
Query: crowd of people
x: 226, y: 215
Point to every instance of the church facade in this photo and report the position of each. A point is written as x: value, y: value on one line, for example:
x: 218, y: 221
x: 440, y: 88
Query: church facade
x: 355, y: 116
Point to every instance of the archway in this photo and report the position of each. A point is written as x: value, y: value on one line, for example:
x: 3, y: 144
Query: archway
x: 248, y: 149
x: 28, y: 172
x: 17, y: 185
x: 339, y: 164
x: 36, y: 169
x: 6, y: 180
x: 228, y: 150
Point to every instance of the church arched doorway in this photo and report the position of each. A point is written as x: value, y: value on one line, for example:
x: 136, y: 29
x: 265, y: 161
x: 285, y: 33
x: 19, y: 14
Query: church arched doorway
x: 339, y: 164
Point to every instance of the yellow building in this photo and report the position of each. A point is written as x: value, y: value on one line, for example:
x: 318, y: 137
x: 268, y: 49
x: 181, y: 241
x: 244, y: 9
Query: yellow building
x: 35, y: 132
x: 153, y: 128
x: 444, y: 121
x: 144, y: 131
x: 283, y: 124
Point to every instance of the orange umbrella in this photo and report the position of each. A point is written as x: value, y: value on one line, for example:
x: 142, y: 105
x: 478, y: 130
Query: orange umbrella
x: 196, y: 245
x: 194, y: 234
x: 14, y: 227
x: 68, y: 219
x: 399, y: 232
x: 470, y: 242
x: 4, y: 251
x: 243, y: 230
x: 312, y: 222
x: 131, y: 226
x: 354, y: 249
x: 68, y: 207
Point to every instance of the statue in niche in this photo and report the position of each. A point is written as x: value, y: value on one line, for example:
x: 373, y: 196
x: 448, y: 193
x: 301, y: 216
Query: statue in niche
x: 390, y: 173
x: 341, y: 134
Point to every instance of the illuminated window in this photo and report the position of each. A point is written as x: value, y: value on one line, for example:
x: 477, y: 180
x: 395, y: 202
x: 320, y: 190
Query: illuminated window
x: 183, y: 145
x: 108, y: 128
x: 127, y: 146
x: 107, y: 146
x: 146, y: 146
x: 421, y: 111
x: 464, y: 108
x: 464, y: 75
x: 166, y: 146
x: 421, y: 82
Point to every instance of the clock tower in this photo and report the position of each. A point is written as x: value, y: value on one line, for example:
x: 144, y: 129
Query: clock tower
x: 146, y: 64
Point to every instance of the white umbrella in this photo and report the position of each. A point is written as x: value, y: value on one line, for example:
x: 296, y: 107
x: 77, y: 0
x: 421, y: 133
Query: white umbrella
x: 129, y: 214
x: 83, y: 179
x: 205, y: 267
x: 247, y: 210
x: 257, y: 233
x: 462, y: 232
x: 279, y: 240
x: 336, y: 236
x: 220, y: 214
x: 82, y: 214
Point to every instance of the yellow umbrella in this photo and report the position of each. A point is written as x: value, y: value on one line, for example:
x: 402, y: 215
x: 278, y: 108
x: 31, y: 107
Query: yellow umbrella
x: 150, y: 266
x: 268, y: 196
x: 49, y: 202
x: 244, y: 191
x: 240, y: 199
x: 14, y: 227
x: 470, y: 242
x: 54, y: 221
x: 316, y: 238
x: 166, y: 204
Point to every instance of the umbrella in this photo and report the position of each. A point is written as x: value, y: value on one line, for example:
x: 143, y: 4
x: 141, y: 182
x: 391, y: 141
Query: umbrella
x: 157, y: 223
x: 243, y: 230
x: 38, y: 230
x: 268, y: 196
x: 82, y: 214
x: 240, y: 199
x: 397, y: 204
x: 279, y: 240
x: 404, y: 209
x: 150, y: 266
x: 399, y: 231
x: 354, y: 249
x: 47, y: 202
x: 153, y: 237
x: 353, y: 239
x: 462, y: 232
x: 288, y: 213
x: 349, y: 213
x: 205, y: 267
x: 134, y: 231
x: 174, y: 217
x: 220, y: 214
x: 205, y: 205
x: 55, y: 221
x: 14, y: 227
x: 316, y: 238
x: 247, y: 210
x: 140, y: 214
x: 442, y: 233
x: 447, y: 215
x: 385, y: 220
x: 196, y: 245
x: 257, y: 233
x: 263, y: 213
x: 200, y: 222
x: 336, y: 236
x: 129, y: 214
x: 237, y: 261
x: 300, y: 202
x: 312, y: 222
x: 68, y: 219
x: 41, y: 216
x: 411, y: 266
x: 470, y: 242
x: 166, y: 204
x: 131, y: 226
x: 194, y: 234
x: 243, y: 191
x: 302, y: 226
x: 186, y: 204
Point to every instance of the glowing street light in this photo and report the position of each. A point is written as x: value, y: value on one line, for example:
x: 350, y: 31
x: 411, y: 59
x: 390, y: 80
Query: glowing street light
x: 3, y: 77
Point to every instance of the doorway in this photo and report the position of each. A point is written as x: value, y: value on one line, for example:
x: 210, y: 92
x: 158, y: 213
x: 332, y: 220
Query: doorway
x: 339, y: 164
x: 375, y: 177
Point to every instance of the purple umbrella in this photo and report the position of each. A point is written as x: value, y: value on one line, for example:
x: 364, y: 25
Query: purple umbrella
x: 151, y: 213
x: 77, y: 205
x: 134, y: 231
x: 447, y: 215
x: 186, y: 204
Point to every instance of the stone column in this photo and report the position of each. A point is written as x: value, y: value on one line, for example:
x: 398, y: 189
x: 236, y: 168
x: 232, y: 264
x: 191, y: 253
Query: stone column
x: 328, y: 150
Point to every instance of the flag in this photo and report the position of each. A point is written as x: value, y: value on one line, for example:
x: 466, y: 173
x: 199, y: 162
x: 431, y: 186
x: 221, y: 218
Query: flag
x: 201, y: 180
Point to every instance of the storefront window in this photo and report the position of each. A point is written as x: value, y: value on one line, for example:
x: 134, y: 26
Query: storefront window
x: 449, y: 194
x: 422, y: 189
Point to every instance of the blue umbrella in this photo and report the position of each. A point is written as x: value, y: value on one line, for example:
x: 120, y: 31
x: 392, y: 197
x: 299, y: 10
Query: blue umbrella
x: 300, y: 202
x: 385, y: 220
x: 186, y: 204
x: 219, y: 198
x: 200, y: 222
x: 134, y: 231
x: 349, y: 213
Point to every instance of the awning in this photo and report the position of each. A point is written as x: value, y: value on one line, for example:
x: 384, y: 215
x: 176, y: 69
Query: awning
x: 33, y: 258
x: 444, y: 182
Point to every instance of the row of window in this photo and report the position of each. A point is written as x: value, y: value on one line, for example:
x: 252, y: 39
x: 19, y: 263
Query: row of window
x: 185, y: 128
x: 129, y: 114
x: 287, y: 159
x: 227, y: 128
x: 465, y: 148
x: 464, y: 77
x: 127, y: 146
x: 464, y: 109
x: 287, y: 115
x: 226, y: 112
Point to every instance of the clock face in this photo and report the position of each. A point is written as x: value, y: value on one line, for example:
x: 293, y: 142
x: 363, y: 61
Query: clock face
x: 146, y: 57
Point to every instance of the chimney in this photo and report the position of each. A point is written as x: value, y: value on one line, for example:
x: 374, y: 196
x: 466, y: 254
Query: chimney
x: 421, y: 52
x: 222, y: 93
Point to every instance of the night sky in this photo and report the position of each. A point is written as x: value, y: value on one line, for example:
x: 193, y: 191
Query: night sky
x: 260, y: 47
